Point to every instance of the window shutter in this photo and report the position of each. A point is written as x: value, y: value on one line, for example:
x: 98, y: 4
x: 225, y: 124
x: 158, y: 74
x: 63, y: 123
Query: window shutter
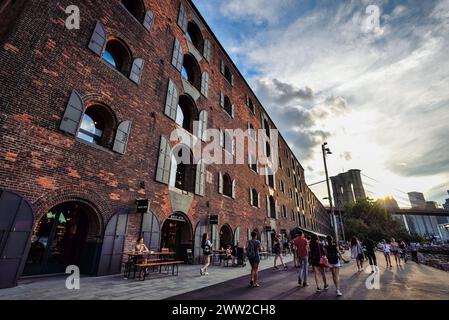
x: 266, y: 175
x: 182, y: 18
x: 171, y: 104
x: 136, y: 70
x: 232, y: 80
x: 237, y: 236
x: 98, y: 40
x: 257, y: 166
x: 200, y: 179
x: 220, y: 183
x: 164, y: 161
x: 121, y: 137
x: 73, y: 114
x: 222, y: 98
x: 232, y: 111
x: 274, y: 181
x: 177, y: 58
x: 205, y: 84
x: 207, y: 50
x: 148, y: 21
x: 268, y: 206
x: 251, y: 196
x: 276, y: 208
x: 233, y: 147
x: 258, y: 200
x: 203, y: 122
x: 247, y: 100
x: 233, y: 189
x: 222, y: 142
x: 222, y: 67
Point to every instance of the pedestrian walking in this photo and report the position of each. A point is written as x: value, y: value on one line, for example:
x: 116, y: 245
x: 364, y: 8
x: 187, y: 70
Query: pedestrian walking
x: 357, y: 253
x: 252, y: 252
x: 387, y: 250
x: 414, y: 251
x: 369, y: 246
x: 395, y: 251
x: 206, y: 245
x: 334, y: 258
x: 302, y: 252
x: 278, y: 251
x: 318, y: 259
x: 403, y: 251
x: 295, y: 253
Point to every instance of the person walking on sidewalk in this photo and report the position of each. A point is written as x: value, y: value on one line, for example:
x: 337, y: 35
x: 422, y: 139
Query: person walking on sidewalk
x: 357, y: 253
x: 252, y: 252
x: 302, y: 253
x: 206, y: 245
x: 387, y: 249
x: 396, y: 252
x: 414, y: 251
x: 317, y: 255
x: 369, y: 246
x: 278, y: 251
x: 335, y: 258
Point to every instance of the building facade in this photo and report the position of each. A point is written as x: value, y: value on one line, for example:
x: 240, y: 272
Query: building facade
x: 87, y: 164
x: 417, y: 200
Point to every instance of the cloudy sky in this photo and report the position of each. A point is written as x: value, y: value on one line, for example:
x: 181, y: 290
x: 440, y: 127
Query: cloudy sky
x: 326, y: 71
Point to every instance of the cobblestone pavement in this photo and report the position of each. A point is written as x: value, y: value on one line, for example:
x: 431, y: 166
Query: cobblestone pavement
x: 411, y: 282
x: 117, y: 288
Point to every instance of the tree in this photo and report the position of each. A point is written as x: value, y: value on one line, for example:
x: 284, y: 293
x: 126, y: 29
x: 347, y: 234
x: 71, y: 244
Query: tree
x: 367, y: 217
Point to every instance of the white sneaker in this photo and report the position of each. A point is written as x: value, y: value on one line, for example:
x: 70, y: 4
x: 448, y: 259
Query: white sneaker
x: 201, y: 271
x: 206, y: 273
x: 339, y: 294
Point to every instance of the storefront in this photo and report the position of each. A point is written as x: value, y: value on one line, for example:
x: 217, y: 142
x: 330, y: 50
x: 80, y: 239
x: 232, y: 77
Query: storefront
x: 177, y: 235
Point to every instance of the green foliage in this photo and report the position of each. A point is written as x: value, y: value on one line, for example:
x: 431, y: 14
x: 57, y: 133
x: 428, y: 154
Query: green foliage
x: 367, y: 217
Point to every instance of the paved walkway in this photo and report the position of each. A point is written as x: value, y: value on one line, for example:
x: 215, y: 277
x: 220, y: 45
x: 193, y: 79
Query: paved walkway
x: 412, y: 282
x: 117, y: 288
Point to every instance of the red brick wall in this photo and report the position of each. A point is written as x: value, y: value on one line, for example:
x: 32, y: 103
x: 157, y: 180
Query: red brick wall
x: 42, y: 62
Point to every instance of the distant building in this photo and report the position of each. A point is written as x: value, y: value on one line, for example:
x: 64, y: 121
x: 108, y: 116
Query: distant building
x: 446, y: 204
x: 417, y: 200
x: 347, y: 187
x: 430, y: 205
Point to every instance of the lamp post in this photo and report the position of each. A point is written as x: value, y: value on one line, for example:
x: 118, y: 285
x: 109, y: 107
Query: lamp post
x: 327, y: 151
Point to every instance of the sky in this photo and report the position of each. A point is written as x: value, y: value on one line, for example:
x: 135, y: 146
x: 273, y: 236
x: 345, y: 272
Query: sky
x: 375, y: 89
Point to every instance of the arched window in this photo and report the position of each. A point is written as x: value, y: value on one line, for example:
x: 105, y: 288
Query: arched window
x: 182, y: 175
x: 118, y: 56
x: 228, y: 74
x: 195, y: 36
x: 228, y: 105
x: 136, y: 8
x: 267, y: 128
x: 253, y: 162
x: 255, y: 198
x: 267, y: 149
x: 97, y: 126
x: 227, y: 185
x: 252, y: 132
x: 271, y: 180
x: 191, y: 71
x: 251, y: 105
x: 272, y: 205
x: 186, y: 113
x: 284, y: 211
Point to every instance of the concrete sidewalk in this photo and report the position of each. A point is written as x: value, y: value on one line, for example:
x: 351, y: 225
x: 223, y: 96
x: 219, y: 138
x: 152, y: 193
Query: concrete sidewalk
x: 117, y: 288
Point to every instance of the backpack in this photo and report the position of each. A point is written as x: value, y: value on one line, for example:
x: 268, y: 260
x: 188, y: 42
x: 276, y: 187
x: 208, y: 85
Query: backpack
x: 251, y: 251
x: 206, y: 248
x: 332, y: 255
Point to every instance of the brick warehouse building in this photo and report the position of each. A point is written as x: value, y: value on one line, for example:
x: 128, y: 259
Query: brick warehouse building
x: 86, y: 117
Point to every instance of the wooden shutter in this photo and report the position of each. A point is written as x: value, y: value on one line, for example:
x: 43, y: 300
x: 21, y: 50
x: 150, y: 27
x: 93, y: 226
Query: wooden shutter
x: 73, y: 114
x: 148, y: 20
x: 232, y: 111
x: 136, y: 70
x: 171, y: 104
x: 276, y: 207
x: 205, y: 84
x: 151, y: 231
x: 258, y: 199
x: 247, y: 100
x: 268, y: 207
x: 232, y: 79
x: 222, y: 99
x: 233, y: 189
x: 222, y: 142
x: 251, y: 196
x: 207, y: 50
x: 98, y: 40
x: 182, y: 18
x: 233, y: 146
x: 200, y: 179
x: 178, y: 55
x: 220, y: 183
x: 222, y: 67
x: 237, y: 236
x: 164, y: 161
x: 202, y: 126
x: 121, y: 137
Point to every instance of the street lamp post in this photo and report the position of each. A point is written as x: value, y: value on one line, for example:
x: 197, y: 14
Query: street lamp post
x: 327, y: 151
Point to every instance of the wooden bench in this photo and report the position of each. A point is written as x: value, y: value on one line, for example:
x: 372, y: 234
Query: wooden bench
x: 131, y: 266
x: 144, y: 267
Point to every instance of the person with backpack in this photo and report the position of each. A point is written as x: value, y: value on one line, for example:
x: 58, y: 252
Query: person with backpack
x: 206, y: 245
x: 278, y: 252
x: 252, y: 252
x: 334, y: 257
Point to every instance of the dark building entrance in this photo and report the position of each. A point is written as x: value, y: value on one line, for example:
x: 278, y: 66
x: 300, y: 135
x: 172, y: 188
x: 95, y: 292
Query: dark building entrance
x: 177, y: 235
x: 66, y: 235
x: 226, y: 237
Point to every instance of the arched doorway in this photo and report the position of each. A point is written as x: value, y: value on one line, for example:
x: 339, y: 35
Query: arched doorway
x: 177, y: 235
x: 226, y: 236
x: 66, y: 235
